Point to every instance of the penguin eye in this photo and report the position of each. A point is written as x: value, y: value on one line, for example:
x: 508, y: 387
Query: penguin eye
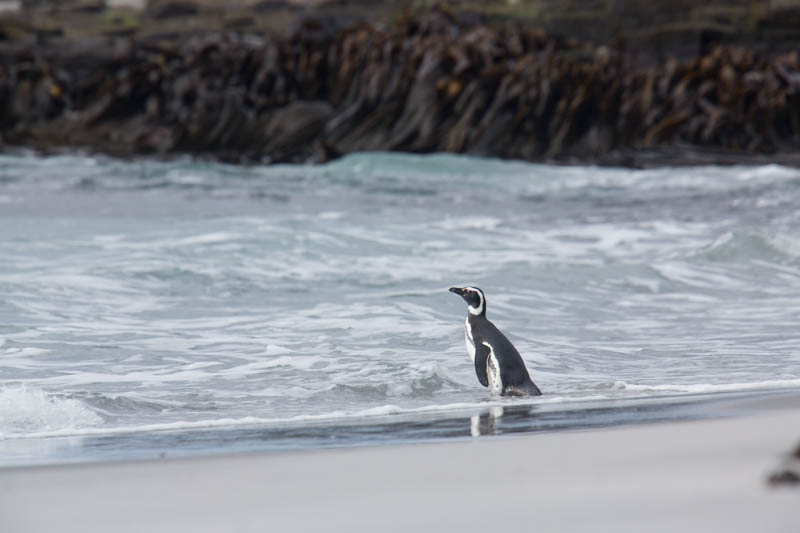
x: 474, y: 299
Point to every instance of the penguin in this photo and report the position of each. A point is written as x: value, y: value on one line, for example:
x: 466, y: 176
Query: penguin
x: 497, y: 363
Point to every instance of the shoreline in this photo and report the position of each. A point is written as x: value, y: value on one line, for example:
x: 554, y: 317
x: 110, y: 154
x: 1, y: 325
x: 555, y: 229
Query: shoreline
x: 629, y: 158
x: 451, y: 423
x: 709, y: 475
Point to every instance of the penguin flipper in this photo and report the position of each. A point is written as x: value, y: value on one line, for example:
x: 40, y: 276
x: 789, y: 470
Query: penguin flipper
x: 481, y: 358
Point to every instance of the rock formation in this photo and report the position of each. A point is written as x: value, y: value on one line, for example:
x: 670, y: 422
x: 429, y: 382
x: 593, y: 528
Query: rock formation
x: 437, y: 81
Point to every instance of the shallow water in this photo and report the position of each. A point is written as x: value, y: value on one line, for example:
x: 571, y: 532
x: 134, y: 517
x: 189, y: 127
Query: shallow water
x: 201, y: 304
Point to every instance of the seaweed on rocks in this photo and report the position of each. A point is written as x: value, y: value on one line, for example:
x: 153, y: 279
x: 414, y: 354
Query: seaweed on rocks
x: 435, y: 81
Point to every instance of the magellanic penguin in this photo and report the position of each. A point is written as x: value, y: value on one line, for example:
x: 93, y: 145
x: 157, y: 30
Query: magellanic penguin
x: 497, y: 363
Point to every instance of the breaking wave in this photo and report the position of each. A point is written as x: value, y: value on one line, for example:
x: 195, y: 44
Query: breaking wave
x: 26, y: 411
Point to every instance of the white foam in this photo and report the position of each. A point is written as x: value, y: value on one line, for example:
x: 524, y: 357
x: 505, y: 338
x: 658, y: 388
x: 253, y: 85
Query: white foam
x: 274, y: 349
x: 766, y: 172
x: 371, y: 412
x: 378, y: 411
x: 701, y: 388
x: 331, y: 215
x: 208, y: 238
x: 470, y: 223
x: 28, y: 351
x: 28, y: 411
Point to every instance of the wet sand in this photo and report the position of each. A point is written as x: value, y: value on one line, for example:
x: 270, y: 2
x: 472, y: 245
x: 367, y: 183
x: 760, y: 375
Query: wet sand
x: 691, y: 476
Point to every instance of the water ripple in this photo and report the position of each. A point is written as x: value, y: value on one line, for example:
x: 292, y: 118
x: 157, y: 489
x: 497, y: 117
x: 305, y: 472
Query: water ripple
x: 148, y: 294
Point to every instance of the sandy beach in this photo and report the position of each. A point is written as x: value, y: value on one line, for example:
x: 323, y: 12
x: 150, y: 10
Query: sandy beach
x: 692, y: 476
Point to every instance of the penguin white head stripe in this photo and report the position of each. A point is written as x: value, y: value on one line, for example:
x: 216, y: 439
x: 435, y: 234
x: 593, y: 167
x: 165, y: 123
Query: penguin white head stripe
x: 474, y: 297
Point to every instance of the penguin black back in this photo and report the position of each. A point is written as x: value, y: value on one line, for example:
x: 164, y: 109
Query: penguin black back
x: 498, y: 364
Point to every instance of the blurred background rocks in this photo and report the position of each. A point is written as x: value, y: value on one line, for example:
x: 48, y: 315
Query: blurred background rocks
x: 605, y: 81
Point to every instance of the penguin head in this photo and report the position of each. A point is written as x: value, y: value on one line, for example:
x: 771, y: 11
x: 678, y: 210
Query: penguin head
x: 476, y: 301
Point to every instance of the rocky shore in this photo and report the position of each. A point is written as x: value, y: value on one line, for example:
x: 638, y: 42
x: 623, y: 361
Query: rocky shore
x: 440, y: 80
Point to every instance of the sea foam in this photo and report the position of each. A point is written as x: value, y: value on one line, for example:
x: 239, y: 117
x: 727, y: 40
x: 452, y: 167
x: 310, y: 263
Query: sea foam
x: 706, y: 388
x: 26, y: 410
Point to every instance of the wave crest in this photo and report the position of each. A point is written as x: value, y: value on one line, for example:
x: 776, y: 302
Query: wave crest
x: 703, y: 388
x: 25, y: 410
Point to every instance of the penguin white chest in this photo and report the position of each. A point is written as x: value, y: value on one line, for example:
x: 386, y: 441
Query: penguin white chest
x: 493, y: 371
x: 469, y: 340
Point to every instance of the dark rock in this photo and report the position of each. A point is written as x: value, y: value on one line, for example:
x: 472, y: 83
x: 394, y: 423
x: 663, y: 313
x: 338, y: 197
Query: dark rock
x: 784, y: 477
x: 291, y: 131
x: 89, y: 6
x: 178, y: 8
x: 270, y: 5
x: 437, y: 81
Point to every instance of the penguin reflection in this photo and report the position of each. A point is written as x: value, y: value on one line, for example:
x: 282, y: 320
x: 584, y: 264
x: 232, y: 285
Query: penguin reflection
x: 498, y: 420
x: 484, y: 423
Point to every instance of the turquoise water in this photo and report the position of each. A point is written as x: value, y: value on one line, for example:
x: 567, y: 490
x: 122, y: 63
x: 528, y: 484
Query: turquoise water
x: 150, y: 307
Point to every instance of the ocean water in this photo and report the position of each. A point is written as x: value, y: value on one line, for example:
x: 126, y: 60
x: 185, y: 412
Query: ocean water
x: 168, y: 308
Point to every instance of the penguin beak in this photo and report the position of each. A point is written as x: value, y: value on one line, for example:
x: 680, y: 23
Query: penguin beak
x: 457, y: 290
